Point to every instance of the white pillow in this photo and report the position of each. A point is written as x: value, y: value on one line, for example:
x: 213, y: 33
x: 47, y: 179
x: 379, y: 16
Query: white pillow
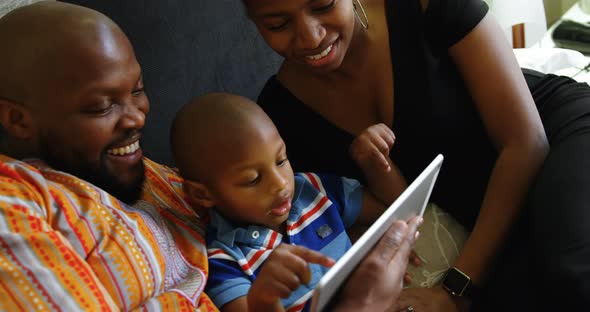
x: 440, y: 242
x: 551, y: 60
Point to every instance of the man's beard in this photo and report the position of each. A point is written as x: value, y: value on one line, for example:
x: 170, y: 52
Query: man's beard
x: 100, y: 176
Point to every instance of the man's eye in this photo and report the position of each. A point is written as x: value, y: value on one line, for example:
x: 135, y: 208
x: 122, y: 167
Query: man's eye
x: 100, y: 111
x: 277, y: 27
x: 138, y: 91
x: 325, y: 8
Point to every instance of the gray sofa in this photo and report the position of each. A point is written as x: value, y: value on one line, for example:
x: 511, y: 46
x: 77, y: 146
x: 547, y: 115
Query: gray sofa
x: 187, y: 48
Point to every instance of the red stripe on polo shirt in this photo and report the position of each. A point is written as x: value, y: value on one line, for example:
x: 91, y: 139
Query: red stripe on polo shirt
x: 297, y: 307
x: 252, y: 260
x: 216, y: 252
x: 313, y: 180
x: 271, y: 241
x: 308, y: 214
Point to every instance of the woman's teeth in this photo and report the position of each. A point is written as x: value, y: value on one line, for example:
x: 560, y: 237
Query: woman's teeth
x: 125, y: 150
x: 319, y: 56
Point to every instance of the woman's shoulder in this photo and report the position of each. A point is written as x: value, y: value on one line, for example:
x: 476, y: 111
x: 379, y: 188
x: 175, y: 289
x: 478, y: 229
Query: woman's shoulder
x: 277, y: 101
x: 271, y: 89
x: 380, y: 4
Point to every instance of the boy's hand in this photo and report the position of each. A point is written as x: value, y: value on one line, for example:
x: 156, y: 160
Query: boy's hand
x: 284, y: 270
x: 372, y: 146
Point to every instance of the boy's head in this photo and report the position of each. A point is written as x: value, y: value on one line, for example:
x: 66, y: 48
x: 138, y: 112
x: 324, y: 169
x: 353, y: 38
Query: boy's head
x: 232, y: 157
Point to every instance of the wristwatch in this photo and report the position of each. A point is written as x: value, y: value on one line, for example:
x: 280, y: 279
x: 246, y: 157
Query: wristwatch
x: 459, y: 284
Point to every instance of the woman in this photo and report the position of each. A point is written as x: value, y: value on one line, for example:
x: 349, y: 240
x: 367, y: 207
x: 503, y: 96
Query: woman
x: 441, y: 75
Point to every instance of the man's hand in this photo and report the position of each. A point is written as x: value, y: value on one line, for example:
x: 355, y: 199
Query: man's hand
x: 283, y: 272
x: 416, y: 261
x: 371, y: 147
x: 377, y: 283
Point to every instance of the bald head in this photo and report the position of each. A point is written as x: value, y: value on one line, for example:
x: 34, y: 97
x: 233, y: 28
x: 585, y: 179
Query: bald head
x: 41, y: 40
x: 71, y: 94
x: 214, y: 126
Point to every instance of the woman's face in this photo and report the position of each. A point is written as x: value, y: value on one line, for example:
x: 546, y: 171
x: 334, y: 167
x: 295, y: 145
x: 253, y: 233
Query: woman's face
x: 313, y: 33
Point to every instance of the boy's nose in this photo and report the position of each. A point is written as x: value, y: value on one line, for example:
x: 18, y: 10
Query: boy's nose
x: 280, y: 183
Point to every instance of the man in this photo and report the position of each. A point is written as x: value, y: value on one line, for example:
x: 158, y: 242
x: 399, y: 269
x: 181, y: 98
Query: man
x: 86, y: 222
x: 72, y: 97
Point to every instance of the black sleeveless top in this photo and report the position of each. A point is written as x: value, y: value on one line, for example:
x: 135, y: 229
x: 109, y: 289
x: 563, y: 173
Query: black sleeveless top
x: 433, y: 112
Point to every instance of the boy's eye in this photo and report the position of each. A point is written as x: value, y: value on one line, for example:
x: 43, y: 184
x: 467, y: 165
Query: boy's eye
x: 254, y: 181
x: 282, y: 162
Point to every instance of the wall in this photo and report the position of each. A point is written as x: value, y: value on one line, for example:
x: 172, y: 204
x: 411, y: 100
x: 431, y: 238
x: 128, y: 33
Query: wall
x: 555, y: 8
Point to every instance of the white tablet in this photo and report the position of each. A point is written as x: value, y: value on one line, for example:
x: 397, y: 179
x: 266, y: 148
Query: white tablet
x: 410, y: 203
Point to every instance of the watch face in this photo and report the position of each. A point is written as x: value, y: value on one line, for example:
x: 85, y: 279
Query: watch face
x: 456, y: 282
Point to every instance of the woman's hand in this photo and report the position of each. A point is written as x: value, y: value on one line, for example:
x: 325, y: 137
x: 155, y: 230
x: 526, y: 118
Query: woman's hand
x: 371, y: 147
x: 433, y: 299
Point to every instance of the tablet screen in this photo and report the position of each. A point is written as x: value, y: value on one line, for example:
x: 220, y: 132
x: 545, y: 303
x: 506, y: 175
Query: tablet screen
x: 410, y: 203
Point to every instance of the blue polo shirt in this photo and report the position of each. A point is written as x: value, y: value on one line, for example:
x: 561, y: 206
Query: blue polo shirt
x: 323, y: 207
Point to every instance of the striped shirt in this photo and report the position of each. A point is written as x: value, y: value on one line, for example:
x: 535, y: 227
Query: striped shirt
x: 323, y: 207
x: 66, y: 245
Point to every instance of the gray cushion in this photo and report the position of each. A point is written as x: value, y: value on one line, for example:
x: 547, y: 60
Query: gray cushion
x: 187, y: 48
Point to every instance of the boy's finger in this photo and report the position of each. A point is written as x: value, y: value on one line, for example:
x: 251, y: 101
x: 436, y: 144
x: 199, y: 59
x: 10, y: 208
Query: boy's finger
x: 310, y: 256
x: 380, y: 159
x: 381, y: 144
x: 390, y: 133
x: 387, y: 134
x: 313, y: 256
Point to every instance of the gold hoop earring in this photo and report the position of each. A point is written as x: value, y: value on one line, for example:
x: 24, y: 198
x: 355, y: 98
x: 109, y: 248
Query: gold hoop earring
x: 366, y: 23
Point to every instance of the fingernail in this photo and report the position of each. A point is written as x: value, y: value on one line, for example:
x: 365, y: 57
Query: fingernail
x: 420, y: 221
x: 416, y: 235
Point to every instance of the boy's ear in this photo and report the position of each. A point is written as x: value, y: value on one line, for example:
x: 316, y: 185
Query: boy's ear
x: 15, y: 119
x: 198, y: 194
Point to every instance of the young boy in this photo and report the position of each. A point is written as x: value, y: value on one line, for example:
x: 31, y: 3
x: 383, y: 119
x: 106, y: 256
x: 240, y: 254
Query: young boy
x: 234, y: 160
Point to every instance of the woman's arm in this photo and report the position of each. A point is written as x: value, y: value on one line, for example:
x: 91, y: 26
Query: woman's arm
x: 506, y: 107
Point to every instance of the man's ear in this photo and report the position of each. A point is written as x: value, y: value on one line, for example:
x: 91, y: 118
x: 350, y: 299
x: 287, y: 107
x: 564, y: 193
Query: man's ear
x: 15, y: 119
x: 198, y: 194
